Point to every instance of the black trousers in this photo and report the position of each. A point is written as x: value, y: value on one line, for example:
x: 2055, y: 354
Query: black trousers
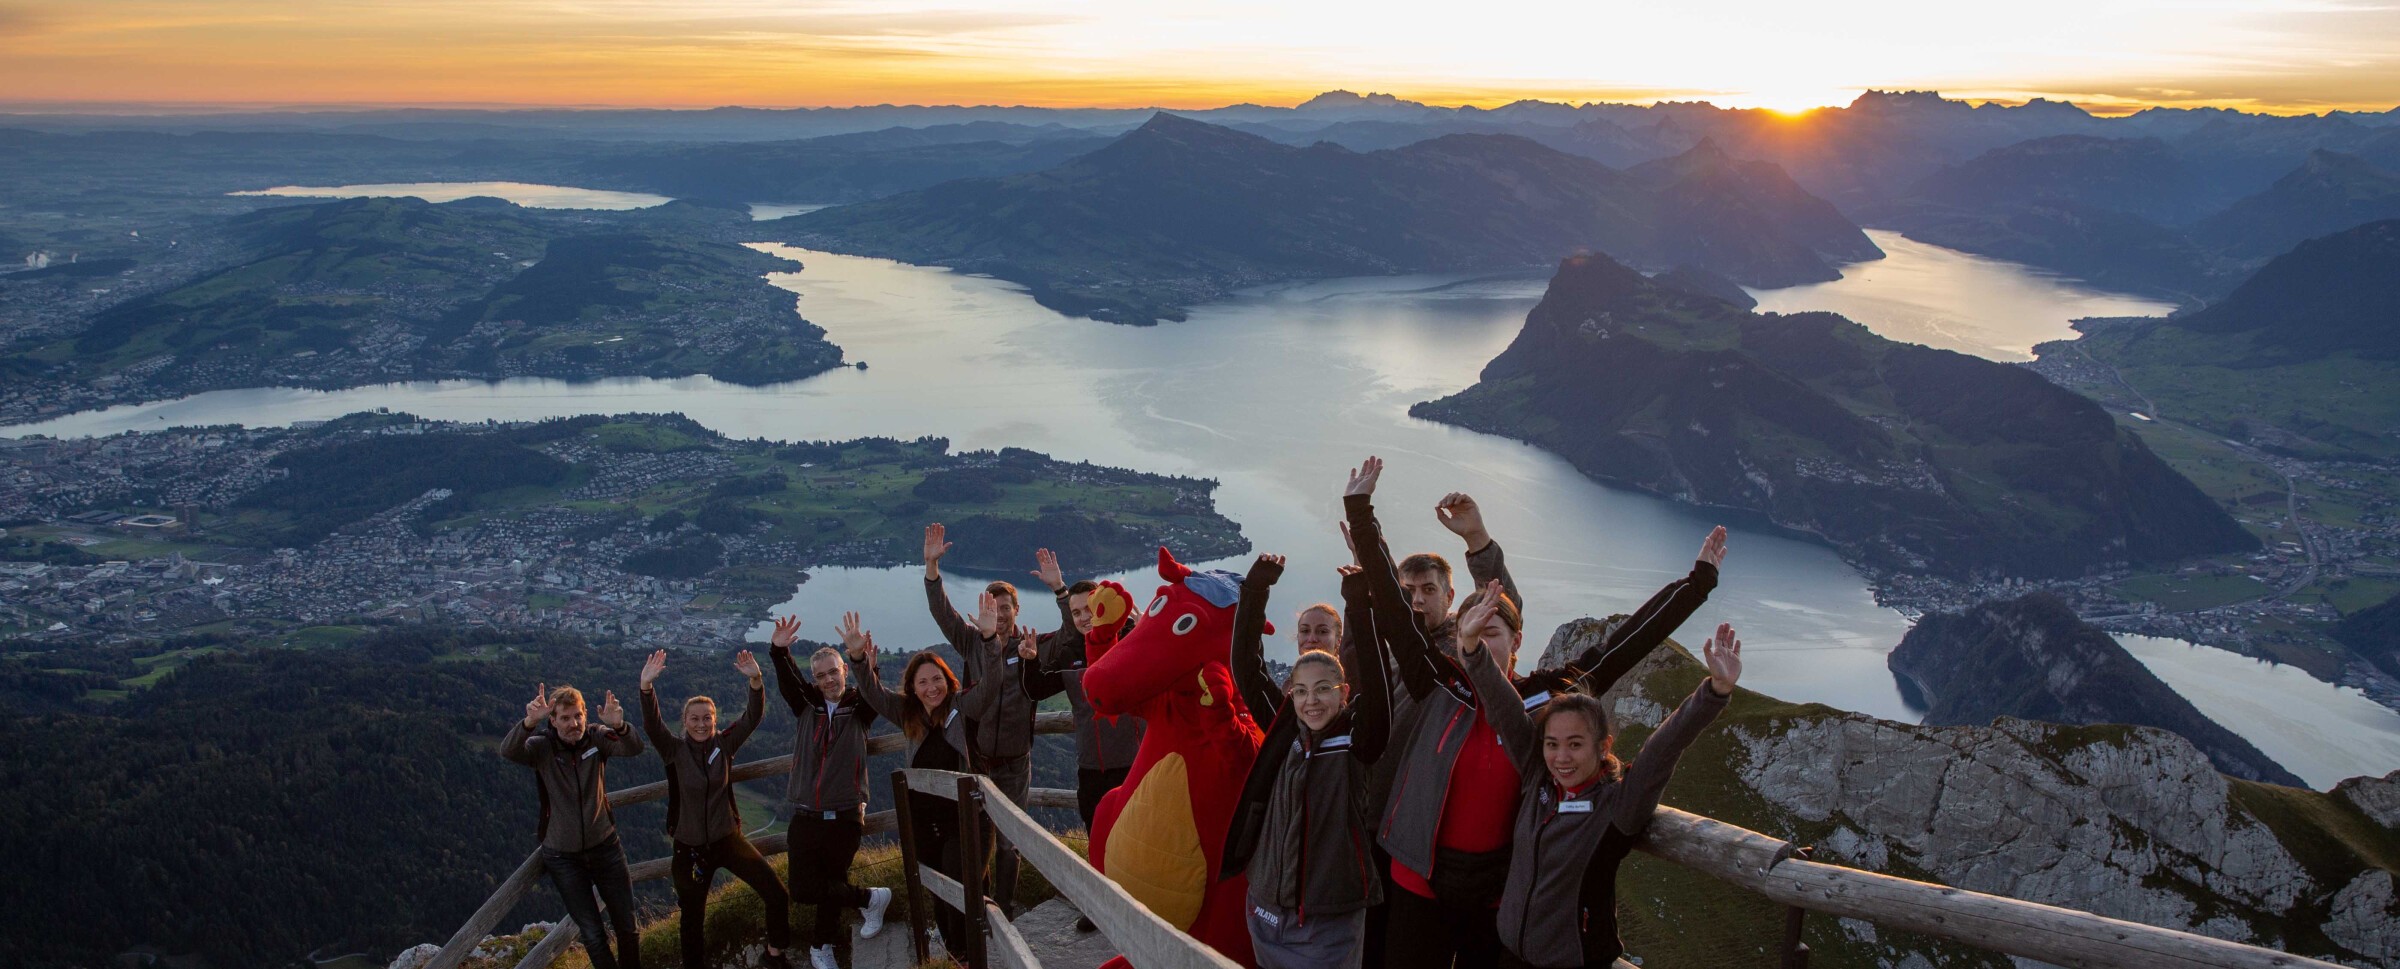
x: 1092, y: 785
x: 598, y: 869
x: 934, y: 820
x: 1426, y: 933
x: 696, y: 867
x: 821, y: 852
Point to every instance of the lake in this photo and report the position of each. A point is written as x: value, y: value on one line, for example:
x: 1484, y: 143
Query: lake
x: 1922, y: 293
x: 1275, y: 393
x: 527, y: 194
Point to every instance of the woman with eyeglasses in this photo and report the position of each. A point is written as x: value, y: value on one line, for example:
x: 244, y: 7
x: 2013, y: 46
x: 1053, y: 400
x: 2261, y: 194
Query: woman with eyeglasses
x: 1303, y: 828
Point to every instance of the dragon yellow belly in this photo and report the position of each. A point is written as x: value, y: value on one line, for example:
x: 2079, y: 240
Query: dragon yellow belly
x: 1154, y: 848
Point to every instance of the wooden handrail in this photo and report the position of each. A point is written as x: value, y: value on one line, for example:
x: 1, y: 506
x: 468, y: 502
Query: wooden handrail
x: 2060, y: 936
x: 513, y: 888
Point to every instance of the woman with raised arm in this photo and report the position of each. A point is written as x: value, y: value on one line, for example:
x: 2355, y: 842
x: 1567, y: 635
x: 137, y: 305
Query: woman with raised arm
x: 702, y: 816
x: 1580, y: 810
x: 827, y: 794
x: 931, y: 719
x: 1303, y: 829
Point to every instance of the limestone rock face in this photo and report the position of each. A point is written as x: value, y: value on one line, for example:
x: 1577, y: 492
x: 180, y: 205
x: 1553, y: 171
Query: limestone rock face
x: 2376, y: 797
x: 2130, y: 822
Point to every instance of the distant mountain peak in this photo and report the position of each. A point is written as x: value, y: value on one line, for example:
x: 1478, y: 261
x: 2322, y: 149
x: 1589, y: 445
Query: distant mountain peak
x: 1872, y: 101
x: 1343, y: 100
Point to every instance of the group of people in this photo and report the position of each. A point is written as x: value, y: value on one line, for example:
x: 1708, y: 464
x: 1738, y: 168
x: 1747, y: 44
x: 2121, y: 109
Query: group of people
x: 1415, y: 802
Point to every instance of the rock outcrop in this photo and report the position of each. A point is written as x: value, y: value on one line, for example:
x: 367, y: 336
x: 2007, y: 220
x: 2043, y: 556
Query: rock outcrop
x: 2033, y: 658
x: 2130, y: 822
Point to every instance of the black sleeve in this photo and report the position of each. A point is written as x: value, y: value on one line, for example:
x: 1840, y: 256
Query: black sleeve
x: 1395, y: 624
x: 1248, y: 657
x: 1041, y: 682
x: 956, y: 628
x: 799, y: 690
x: 1641, y: 632
x: 1371, y: 699
x: 654, y: 724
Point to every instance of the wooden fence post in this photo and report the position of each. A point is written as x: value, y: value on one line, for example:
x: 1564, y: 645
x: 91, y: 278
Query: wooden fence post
x: 1795, y: 920
x: 970, y: 873
x: 914, y: 885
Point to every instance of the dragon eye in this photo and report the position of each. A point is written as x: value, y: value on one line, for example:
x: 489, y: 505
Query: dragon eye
x: 1186, y: 623
x: 1155, y: 605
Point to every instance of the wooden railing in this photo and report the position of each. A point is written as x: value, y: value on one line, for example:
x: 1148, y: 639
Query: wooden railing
x: 1738, y: 856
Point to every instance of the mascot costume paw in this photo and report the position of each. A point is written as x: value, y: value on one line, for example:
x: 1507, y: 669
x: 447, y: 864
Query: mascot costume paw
x: 1161, y: 835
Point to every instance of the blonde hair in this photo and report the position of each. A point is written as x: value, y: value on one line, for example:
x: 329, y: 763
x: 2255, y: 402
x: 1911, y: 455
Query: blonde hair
x: 696, y: 701
x: 825, y: 652
x: 1314, y: 656
x: 566, y: 696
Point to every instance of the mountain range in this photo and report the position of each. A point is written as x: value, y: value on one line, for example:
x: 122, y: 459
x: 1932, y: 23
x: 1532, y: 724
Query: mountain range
x: 1905, y: 456
x: 1178, y: 211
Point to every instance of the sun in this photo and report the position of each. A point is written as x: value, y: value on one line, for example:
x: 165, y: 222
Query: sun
x: 1788, y: 101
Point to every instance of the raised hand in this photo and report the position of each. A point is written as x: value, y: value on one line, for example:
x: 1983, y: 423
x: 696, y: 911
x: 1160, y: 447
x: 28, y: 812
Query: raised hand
x: 656, y: 664
x: 787, y: 632
x: 612, y: 713
x: 1458, y: 512
x: 1046, y: 569
x: 1026, y: 643
x: 1712, y: 549
x: 1472, y: 621
x: 1346, y: 542
x: 538, y: 708
x: 987, y: 614
x: 1724, y: 656
x: 1362, y: 481
x: 935, y: 548
x: 855, y: 640
x: 1265, y: 570
x: 746, y: 664
x: 1346, y: 571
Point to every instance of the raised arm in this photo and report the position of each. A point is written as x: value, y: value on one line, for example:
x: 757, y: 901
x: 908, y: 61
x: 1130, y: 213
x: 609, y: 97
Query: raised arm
x: 517, y: 746
x: 1411, y: 650
x: 980, y: 700
x: 799, y: 689
x: 747, y: 665
x: 1041, y: 682
x: 1650, y: 625
x: 1458, y: 512
x: 1493, y: 692
x: 1248, y: 656
x: 1371, y: 689
x: 652, y: 723
x: 1066, y: 637
x: 858, y: 646
x: 617, y: 738
x: 955, y: 628
x: 1647, y: 777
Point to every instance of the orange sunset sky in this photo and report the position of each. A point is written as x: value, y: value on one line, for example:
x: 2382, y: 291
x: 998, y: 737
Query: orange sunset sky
x: 2111, y: 56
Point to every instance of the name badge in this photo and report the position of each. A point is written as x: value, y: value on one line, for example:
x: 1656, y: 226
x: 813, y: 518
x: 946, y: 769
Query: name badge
x: 1575, y: 807
x: 713, y: 752
x: 1012, y: 661
x: 588, y: 752
x: 1273, y: 920
x: 829, y: 814
x: 1536, y: 701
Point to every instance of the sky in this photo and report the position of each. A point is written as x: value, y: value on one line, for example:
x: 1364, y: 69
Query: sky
x: 2284, y: 56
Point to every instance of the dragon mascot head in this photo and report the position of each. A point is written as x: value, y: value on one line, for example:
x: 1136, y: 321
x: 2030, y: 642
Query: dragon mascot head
x: 1160, y: 835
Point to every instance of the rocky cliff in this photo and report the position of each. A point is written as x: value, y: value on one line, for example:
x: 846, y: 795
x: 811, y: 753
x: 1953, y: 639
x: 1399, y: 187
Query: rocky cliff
x: 2031, y: 657
x: 2129, y: 822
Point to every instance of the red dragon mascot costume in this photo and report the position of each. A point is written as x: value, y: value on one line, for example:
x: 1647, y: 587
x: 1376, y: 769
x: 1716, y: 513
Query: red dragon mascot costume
x: 1160, y: 835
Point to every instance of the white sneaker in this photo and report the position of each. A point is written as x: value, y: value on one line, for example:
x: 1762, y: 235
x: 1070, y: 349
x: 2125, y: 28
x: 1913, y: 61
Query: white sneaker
x: 821, y: 957
x: 878, y: 899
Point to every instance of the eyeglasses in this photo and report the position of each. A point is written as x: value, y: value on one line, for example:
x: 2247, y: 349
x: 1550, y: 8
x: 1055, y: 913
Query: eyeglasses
x: 1330, y: 691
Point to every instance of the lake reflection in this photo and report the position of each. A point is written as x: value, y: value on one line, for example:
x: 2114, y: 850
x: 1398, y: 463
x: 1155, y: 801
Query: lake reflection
x: 1921, y: 293
x: 1276, y: 393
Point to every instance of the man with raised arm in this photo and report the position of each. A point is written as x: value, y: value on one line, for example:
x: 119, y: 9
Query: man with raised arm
x: 580, y: 851
x: 1426, y: 577
x: 827, y: 793
x: 1003, y: 734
